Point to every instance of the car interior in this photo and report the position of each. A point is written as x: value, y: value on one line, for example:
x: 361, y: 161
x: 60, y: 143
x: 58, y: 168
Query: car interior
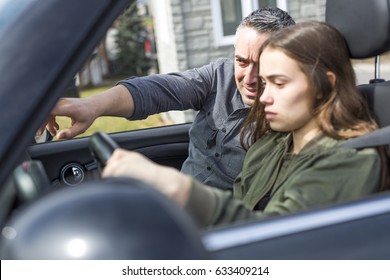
x: 168, y: 145
x: 148, y: 226
x: 367, y: 33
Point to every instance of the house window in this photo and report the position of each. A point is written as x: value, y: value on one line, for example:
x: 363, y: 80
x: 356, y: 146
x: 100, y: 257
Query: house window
x: 265, y: 3
x: 227, y: 14
x: 231, y: 16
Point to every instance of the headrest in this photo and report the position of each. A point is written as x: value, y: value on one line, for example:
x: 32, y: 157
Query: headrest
x: 365, y: 25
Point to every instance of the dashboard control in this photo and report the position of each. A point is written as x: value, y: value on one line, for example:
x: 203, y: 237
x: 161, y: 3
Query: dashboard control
x: 72, y: 174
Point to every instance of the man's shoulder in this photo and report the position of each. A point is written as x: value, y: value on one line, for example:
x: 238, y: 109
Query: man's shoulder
x: 223, y: 62
x: 222, y: 67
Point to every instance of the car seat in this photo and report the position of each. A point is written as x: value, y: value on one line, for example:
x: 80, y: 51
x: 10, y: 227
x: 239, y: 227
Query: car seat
x: 366, y: 28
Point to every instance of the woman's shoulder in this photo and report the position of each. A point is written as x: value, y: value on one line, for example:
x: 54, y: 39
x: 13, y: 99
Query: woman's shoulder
x: 268, y: 143
x: 334, y: 148
x: 271, y: 138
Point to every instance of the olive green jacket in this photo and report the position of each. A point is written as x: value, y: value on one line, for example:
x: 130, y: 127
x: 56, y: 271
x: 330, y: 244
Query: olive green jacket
x: 320, y: 174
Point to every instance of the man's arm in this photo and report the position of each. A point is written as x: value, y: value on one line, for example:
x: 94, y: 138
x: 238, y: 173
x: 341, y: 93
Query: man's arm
x: 136, y: 98
x: 116, y: 101
x: 176, y: 91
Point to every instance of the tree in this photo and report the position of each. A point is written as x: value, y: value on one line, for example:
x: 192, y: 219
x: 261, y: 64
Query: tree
x: 130, y: 39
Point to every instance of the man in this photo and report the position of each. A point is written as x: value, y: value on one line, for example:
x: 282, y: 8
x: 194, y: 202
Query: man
x: 222, y: 92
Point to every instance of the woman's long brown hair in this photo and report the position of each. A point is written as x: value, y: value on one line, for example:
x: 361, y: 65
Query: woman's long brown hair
x: 339, y: 108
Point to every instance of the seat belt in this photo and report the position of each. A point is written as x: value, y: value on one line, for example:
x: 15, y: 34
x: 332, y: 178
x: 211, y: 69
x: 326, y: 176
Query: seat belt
x: 379, y: 137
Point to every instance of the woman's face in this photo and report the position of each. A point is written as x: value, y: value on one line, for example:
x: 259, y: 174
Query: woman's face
x: 286, y: 97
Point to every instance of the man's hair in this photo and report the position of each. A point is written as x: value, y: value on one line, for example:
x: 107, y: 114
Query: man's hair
x: 269, y: 19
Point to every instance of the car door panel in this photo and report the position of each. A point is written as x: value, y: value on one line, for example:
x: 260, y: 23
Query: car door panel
x: 356, y: 230
x: 166, y: 145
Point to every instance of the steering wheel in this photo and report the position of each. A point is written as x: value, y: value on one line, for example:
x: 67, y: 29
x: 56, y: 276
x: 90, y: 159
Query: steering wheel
x: 114, y: 218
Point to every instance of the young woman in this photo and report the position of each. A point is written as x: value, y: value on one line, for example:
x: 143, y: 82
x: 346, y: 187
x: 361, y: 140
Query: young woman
x: 307, y: 105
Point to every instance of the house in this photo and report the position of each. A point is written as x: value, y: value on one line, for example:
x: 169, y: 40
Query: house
x: 191, y: 33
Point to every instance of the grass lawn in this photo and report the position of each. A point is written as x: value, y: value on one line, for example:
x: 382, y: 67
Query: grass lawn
x: 111, y: 124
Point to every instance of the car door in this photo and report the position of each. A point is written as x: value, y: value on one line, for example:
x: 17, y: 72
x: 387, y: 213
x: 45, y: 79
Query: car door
x: 350, y: 231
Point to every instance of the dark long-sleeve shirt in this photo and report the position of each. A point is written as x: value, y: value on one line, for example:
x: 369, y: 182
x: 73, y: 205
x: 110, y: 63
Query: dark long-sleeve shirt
x: 215, y: 154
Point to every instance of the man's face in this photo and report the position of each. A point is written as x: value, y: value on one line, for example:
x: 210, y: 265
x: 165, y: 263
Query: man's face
x: 246, y: 62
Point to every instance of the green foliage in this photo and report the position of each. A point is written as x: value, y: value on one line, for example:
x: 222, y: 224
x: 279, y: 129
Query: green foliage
x: 131, y: 59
